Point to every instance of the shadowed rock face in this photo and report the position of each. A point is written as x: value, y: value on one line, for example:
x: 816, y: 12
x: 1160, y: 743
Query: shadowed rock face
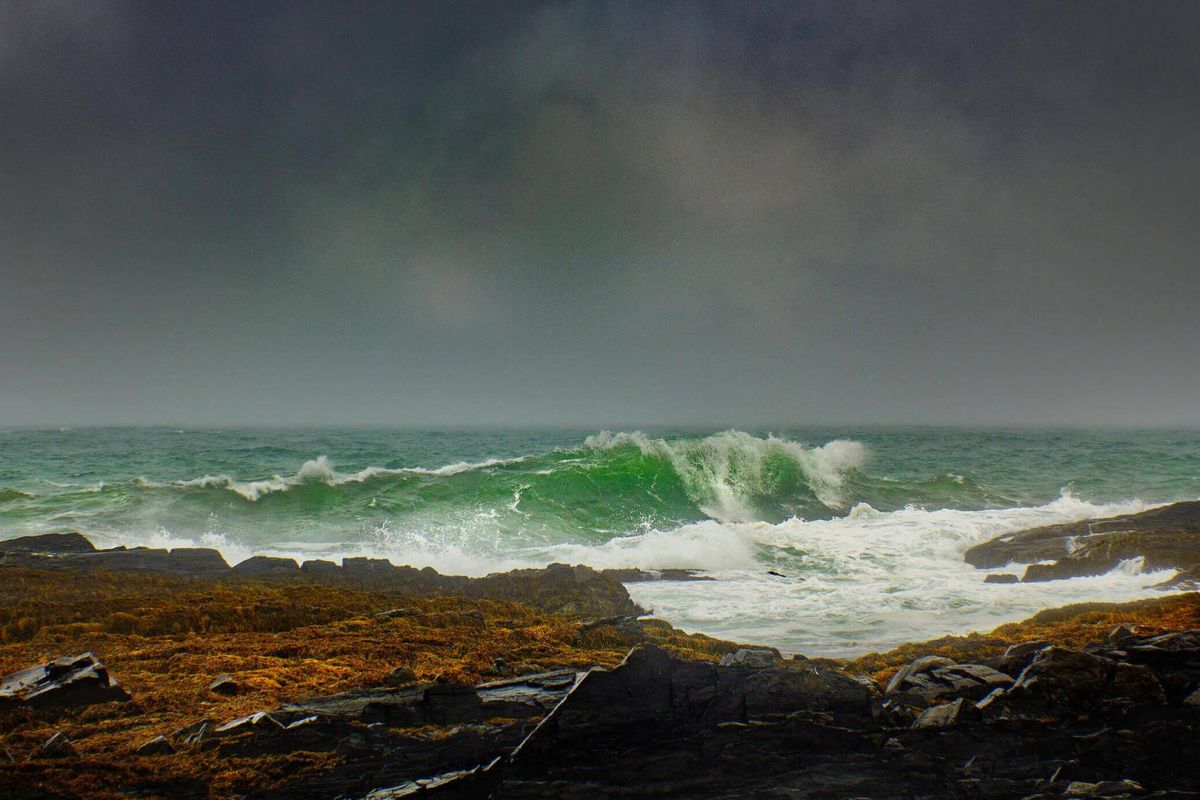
x: 557, y: 588
x: 1167, y: 538
x: 1074, y: 723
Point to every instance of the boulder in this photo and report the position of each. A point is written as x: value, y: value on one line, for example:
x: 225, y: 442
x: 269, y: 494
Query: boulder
x: 1017, y: 657
x: 1058, y: 682
x: 133, y: 559
x: 48, y: 544
x: 948, y: 715
x: 266, y: 567
x: 70, y: 681
x: 320, y: 569
x: 400, y: 676
x: 752, y: 658
x: 57, y: 746
x: 224, y: 684
x: 908, y: 676
x: 1001, y: 577
x: 198, y: 562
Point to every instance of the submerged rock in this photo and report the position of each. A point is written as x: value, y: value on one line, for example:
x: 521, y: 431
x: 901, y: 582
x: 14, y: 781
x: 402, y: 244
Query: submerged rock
x: 70, y: 681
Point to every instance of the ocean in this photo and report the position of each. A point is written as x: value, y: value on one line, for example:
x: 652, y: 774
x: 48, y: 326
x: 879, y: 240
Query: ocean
x: 822, y: 541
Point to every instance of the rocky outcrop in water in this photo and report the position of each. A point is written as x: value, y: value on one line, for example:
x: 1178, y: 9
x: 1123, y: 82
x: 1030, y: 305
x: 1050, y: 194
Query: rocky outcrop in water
x: 1166, y: 538
x: 557, y: 588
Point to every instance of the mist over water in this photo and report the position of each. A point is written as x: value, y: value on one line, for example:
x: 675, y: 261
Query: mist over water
x: 865, y: 528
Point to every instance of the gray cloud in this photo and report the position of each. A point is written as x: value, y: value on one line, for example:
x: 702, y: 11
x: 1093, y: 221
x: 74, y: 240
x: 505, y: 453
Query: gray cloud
x: 600, y: 213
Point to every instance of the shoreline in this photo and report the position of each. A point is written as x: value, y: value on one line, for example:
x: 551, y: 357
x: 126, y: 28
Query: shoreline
x: 155, y: 673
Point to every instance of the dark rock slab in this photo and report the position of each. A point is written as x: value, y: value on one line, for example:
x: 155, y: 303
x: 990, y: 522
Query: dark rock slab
x: 224, y: 684
x: 1001, y: 577
x: 634, y: 575
x: 70, y: 681
x: 57, y: 746
x: 198, y: 561
x: 158, y: 746
x: 48, y: 544
x: 267, y: 567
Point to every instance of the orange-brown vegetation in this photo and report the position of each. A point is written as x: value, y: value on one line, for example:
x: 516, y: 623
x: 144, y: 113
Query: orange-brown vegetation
x: 164, y: 639
x: 1070, y: 626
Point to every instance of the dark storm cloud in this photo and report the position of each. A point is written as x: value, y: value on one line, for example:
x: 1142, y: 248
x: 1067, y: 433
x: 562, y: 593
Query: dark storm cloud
x: 599, y: 213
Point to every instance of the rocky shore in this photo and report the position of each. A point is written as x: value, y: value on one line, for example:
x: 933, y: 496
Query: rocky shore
x: 148, y: 674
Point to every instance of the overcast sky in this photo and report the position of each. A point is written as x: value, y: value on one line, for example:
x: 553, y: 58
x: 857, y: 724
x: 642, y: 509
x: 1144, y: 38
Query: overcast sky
x: 599, y: 213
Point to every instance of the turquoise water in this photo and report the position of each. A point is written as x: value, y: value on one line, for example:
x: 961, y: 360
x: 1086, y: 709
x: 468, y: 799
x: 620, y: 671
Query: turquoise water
x: 868, y: 526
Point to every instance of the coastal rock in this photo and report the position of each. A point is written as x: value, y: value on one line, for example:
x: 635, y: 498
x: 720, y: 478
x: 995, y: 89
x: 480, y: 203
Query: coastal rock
x: 266, y: 567
x: 1017, y: 657
x: 224, y: 684
x: 752, y: 658
x: 198, y: 561
x: 158, y: 746
x: 57, y: 746
x: 400, y: 676
x: 1001, y: 577
x: 48, y: 544
x: 70, y: 681
x: 948, y: 715
x: 320, y: 569
x: 133, y: 559
x: 1166, y: 538
x: 1058, y: 681
x: 934, y: 677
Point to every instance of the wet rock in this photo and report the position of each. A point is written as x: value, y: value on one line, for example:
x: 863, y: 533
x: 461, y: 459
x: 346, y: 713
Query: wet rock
x: 158, y: 746
x: 70, y: 681
x: 224, y: 684
x: 1165, y: 537
x: 948, y: 715
x: 57, y: 746
x: 198, y: 562
x: 1058, y: 682
x: 752, y: 658
x: 972, y: 681
x: 194, y: 733
x: 1193, y: 699
x: 320, y: 569
x: 400, y: 676
x: 634, y: 575
x: 48, y: 544
x: 1134, y: 683
x: 1001, y: 577
x: 1017, y: 657
x: 908, y: 677
x: 266, y: 567
x: 133, y: 559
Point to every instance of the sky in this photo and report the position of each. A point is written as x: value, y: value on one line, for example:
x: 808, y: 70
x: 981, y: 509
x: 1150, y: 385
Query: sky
x: 444, y: 214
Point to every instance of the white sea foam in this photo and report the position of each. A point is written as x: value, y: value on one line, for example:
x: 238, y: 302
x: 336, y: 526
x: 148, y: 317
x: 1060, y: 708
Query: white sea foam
x: 318, y: 470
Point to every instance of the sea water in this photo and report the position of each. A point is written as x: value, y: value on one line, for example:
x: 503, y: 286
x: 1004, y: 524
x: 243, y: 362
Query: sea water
x: 823, y: 541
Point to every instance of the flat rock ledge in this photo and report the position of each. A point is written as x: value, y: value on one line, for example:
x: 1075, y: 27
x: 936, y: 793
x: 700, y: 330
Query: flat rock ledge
x: 1164, y: 538
x: 557, y: 588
